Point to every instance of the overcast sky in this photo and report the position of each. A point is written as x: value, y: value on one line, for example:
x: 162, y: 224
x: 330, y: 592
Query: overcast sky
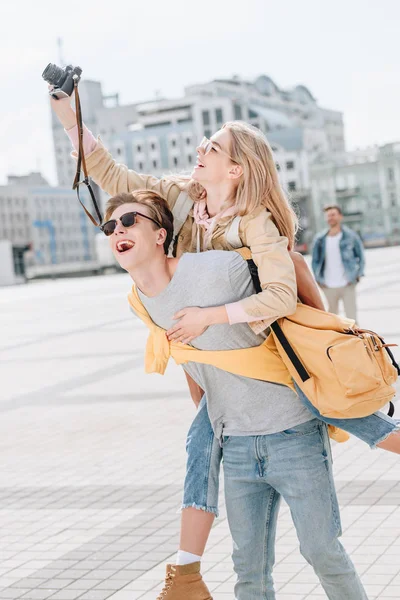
x: 346, y: 52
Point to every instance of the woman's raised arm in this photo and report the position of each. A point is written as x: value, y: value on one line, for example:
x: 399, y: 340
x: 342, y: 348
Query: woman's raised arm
x: 111, y: 176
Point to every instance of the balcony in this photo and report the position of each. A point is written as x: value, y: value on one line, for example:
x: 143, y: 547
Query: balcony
x: 347, y: 192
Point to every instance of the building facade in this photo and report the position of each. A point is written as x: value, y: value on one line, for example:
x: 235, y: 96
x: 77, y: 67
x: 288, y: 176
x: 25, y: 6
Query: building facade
x: 366, y: 185
x: 161, y: 136
x: 47, y: 220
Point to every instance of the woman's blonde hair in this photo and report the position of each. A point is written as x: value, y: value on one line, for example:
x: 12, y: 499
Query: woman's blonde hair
x: 259, y: 185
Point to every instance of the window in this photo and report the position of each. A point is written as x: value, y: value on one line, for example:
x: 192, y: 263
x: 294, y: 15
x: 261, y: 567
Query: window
x: 390, y: 174
x: 175, y: 161
x: 173, y: 143
x: 188, y: 141
x: 207, y: 133
x: 139, y: 148
x: 155, y: 164
x: 190, y: 159
x: 119, y: 151
x: 140, y: 166
x: 219, y: 116
x: 393, y: 199
x: 252, y: 114
x: 153, y: 146
x: 237, y: 112
x: 290, y: 165
x: 278, y: 166
x: 206, y: 117
x: 292, y: 186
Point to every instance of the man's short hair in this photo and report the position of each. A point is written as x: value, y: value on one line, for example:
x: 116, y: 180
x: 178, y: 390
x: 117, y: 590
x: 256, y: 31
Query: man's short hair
x: 157, y: 206
x: 333, y: 207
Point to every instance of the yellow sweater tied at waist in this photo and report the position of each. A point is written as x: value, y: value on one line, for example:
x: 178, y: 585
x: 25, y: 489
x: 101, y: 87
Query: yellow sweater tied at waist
x: 260, y: 362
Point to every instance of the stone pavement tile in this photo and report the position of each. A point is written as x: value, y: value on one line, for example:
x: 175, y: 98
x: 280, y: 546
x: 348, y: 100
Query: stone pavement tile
x: 73, y: 573
x: 142, y: 585
x: 384, y: 568
x: 100, y: 574
x: 20, y: 573
x: 306, y: 576
x: 292, y: 597
x: 95, y: 595
x: 57, y: 583
x: 369, y: 578
x: 12, y: 593
x: 48, y: 573
x: 128, y: 574
x: 28, y: 582
x: 111, y: 584
x: 83, y: 584
x: 373, y: 591
x: 67, y: 595
x: 88, y: 564
x: 297, y: 588
x: 392, y: 591
x: 38, y: 594
x: 216, y: 577
x: 126, y: 595
x: 227, y: 587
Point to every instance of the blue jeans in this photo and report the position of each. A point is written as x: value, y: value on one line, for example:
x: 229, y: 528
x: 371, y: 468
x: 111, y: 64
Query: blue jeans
x: 372, y: 429
x: 294, y: 465
x: 204, y: 453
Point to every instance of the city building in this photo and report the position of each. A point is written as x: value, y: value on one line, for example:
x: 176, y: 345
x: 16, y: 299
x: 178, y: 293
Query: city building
x: 366, y: 185
x: 45, y: 225
x: 165, y: 133
x: 161, y: 135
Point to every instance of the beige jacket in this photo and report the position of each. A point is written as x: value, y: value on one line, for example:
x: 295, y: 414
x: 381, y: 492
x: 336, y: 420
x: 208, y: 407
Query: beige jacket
x: 257, y: 232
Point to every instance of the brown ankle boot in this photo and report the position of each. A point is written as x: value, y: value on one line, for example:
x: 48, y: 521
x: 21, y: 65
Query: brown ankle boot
x: 184, y: 582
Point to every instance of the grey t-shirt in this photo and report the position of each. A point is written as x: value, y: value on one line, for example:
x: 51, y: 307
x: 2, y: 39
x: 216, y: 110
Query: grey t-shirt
x: 236, y: 405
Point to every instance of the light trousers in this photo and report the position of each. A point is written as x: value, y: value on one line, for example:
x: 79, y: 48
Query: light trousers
x: 347, y: 295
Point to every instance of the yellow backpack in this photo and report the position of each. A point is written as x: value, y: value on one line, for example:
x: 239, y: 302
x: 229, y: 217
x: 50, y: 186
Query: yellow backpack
x: 345, y: 372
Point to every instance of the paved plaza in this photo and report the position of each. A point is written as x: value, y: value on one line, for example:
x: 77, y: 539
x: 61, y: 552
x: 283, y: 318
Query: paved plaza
x: 92, y: 454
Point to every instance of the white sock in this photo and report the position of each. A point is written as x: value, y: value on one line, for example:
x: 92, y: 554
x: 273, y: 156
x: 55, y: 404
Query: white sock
x: 186, y: 558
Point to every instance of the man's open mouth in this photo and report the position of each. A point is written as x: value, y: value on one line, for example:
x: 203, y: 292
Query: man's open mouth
x: 124, y: 246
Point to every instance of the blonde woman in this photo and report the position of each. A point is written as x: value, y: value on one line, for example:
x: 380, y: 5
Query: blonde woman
x: 235, y: 175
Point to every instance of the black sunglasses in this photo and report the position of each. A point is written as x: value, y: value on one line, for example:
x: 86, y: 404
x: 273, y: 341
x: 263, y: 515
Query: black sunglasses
x: 127, y: 220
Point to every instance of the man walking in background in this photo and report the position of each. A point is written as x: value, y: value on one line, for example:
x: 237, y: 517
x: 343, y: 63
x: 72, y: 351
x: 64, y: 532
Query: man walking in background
x: 338, y: 262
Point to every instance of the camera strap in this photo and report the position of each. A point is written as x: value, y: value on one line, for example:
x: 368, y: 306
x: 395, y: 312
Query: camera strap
x: 81, y: 164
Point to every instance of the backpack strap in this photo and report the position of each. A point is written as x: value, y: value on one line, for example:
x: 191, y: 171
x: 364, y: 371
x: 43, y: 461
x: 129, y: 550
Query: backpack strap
x: 276, y: 328
x: 180, y: 211
x: 232, y: 233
